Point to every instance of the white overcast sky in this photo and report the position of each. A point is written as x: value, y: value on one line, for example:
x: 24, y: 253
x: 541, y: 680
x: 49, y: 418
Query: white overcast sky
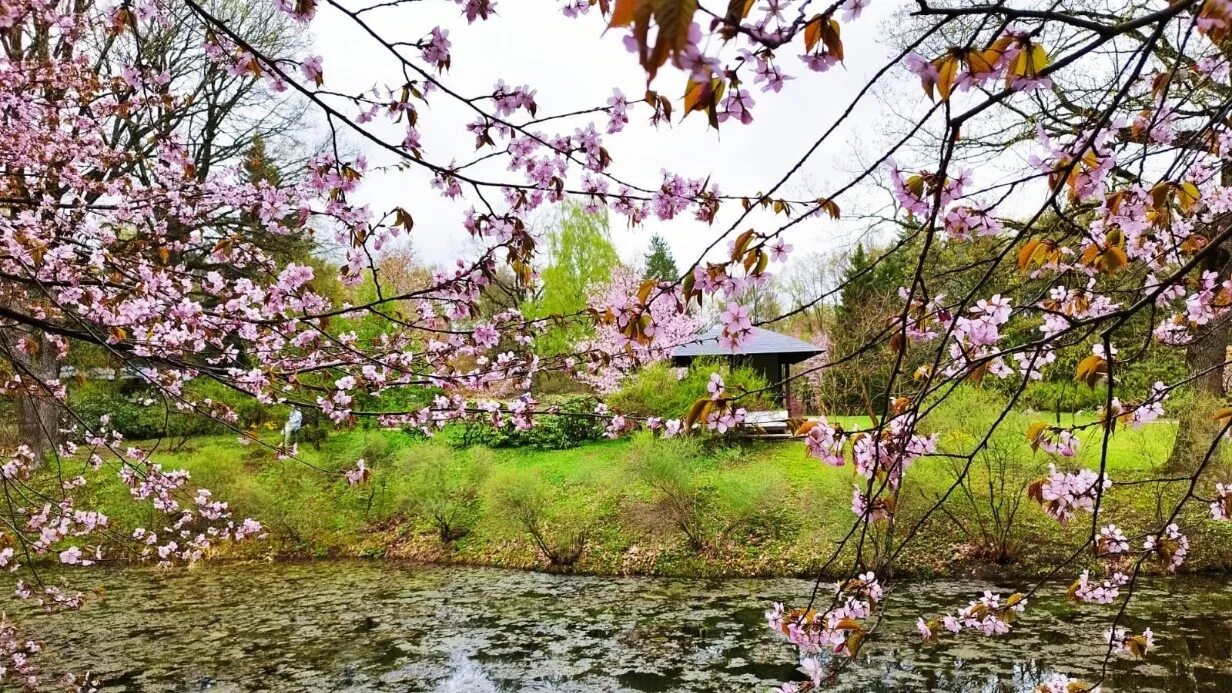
x: 574, y: 65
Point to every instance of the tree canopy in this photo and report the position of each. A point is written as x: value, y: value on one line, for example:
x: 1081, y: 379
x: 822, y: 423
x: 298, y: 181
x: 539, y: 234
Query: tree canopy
x: 1057, y: 184
x: 660, y: 264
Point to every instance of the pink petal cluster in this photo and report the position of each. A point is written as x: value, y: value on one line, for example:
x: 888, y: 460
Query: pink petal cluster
x: 1064, y: 493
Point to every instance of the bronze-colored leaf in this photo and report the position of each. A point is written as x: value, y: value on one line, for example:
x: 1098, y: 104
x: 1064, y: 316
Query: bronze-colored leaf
x: 831, y: 38
x: 1026, y: 253
x: 1091, y: 369
x: 1035, y: 433
x: 812, y: 33
x: 829, y: 207
x: 624, y: 12
x: 741, y: 244
x: 738, y: 10
x: 804, y: 428
x: 673, y: 17
x: 643, y: 291
x: 695, y: 413
x: 947, y: 70
x: 1036, y: 491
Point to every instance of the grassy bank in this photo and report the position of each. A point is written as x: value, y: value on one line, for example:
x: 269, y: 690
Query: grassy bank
x: 645, y: 506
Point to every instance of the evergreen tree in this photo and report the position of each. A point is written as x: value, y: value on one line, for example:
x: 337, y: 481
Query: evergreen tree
x: 659, y: 261
x: 296, y: 247
x: 859, y: 280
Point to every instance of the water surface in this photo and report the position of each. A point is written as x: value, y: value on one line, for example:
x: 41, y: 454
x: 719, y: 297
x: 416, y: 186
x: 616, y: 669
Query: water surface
x: 381, y: 626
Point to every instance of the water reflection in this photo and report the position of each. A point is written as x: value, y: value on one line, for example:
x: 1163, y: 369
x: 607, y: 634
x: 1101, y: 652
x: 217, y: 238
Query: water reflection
x: 370, y: 626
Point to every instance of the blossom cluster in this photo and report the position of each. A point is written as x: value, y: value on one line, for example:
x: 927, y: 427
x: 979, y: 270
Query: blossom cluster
x: 988, y: 615
x: 1221, y: 507
x: 1062, y: 494
x: 837, y: 631
x: 611, y: 351
x: 1121, y: 640
x: 1170, y: 547
x: 1102, y: 592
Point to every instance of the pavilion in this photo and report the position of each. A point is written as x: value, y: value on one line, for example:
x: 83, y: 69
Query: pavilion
x: 768, y: 353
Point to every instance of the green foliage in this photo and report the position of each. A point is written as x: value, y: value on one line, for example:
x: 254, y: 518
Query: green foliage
x: 660, y: 264
x: 656, y: 390
x: 580, y: 259
x: 869, y: 290
x: 993, y: 484
x: 673, y: 470
x: 141, y: 413
x: 705, y: 503
x: 550, y: 432
x: 566, y: 431
x: 442, y: 486
x: 559, y: 532
x: 136, y: 414
x: 761, y: 508
x: 397, y: 399
x: 747, y: 499
x: 1061, y: 395
x: 1059, y: 391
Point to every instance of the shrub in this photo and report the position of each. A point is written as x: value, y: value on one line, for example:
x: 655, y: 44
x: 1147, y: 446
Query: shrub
x: 1065, y: 396
x: 138, y: 414
x: 746, y: 505
x: 443, y: 486
x: 993, y: 486
x: 708, y: 505
x: 397, y: 399
x: 564, y: 431
x: 550, y: 432
x: 673, y: 469
x: 524, y: 497
x: 658, y: 390
x: 307, y: 509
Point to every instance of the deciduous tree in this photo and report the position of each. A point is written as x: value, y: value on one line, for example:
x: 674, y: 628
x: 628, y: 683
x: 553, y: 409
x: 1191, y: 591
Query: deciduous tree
x: 1119, y: 213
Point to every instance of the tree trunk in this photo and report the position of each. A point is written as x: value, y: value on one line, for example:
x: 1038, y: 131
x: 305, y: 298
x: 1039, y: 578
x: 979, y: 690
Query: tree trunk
x: 1196, y: 427
x: 38, y: 414
x: 1207, y: 355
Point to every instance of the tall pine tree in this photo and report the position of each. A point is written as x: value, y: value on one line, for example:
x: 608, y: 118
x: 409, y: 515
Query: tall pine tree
x: 296, y: 247
x: 660, y: 264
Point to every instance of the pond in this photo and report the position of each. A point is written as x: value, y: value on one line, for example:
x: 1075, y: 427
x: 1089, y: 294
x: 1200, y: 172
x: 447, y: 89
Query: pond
x: 382, y: 626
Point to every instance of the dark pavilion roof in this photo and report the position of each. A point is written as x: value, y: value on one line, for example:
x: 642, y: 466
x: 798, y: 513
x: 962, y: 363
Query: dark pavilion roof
x: 789, y: 349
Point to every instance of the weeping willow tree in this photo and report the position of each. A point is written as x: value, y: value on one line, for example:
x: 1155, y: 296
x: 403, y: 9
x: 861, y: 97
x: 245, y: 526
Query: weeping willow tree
x: 580, y: 259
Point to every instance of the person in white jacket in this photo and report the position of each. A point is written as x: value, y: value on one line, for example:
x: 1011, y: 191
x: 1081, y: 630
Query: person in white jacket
x: 294, y: 422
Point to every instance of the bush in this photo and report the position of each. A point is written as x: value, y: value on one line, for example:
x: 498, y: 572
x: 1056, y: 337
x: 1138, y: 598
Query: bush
x: 138, y: 415
x: 557, y: 431
x: 657, y: 390
x: 443, y: 487
x: 1066, y: 396
x: 307, y: 509
x: 396, y: 399
x: 524, y: 497
x: 708, y: 505
x: 994, y: 484
x: 1061, y: 393
x: 140, y: 412
x: 747, y: 506
x: 561, y: 431
x: 673, y: 469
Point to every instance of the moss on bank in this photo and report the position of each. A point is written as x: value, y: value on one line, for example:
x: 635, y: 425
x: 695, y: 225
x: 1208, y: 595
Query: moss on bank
x: 649, y: 507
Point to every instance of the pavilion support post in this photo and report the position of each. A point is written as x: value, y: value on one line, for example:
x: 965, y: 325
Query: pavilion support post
x: 785, y: 374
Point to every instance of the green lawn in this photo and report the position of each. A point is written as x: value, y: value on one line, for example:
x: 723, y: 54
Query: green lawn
x: 646, y: 506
